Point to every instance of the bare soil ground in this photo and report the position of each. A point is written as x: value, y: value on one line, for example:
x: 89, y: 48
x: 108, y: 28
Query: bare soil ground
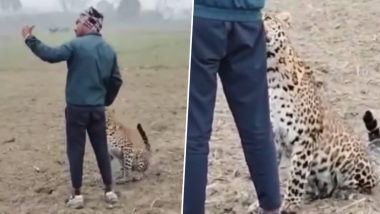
x: 340, y: 39
x: 34, y: 175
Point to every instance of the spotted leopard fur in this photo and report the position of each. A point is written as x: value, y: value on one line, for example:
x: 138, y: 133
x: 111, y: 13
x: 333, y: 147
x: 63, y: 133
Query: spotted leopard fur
x: 133, y: 155
x: 326, y: 157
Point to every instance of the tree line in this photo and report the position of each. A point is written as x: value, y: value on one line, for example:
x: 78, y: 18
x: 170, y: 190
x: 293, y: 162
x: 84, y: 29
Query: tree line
x: 128, y: 8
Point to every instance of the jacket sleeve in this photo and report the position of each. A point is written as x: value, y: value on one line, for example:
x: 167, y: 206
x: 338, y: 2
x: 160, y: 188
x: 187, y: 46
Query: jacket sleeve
x: 49, y: 54
x: 114, y: 84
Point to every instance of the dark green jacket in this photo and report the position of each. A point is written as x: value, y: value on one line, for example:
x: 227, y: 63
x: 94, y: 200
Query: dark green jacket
x: 229, y: 10
x: 93, y: 77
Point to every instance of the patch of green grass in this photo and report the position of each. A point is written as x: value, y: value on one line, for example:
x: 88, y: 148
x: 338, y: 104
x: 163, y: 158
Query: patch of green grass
x: 169, y: 49
x: 135, y: 48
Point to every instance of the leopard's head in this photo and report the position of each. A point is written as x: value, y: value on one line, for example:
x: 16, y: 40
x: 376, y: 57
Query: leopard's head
x: 276, y: 26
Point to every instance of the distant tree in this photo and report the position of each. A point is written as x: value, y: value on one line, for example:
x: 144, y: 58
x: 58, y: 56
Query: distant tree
x: 161, y: 5
x: 129, y: 8
x: 64, y: 5
x: 105, y: 6
x: 10, y: 5
x: 73, y: 5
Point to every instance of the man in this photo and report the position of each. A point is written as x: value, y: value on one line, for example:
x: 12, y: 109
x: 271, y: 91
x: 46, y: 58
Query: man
x: 229, y: 40
x: 93, y: 82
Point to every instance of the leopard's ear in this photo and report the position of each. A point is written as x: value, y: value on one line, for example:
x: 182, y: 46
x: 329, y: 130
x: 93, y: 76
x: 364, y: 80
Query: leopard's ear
x: 263, y: 14
x: 285, y: 17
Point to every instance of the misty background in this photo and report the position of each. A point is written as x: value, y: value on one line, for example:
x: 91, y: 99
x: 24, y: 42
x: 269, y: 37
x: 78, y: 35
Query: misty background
x: 170, y: 9
x: 60, y: 15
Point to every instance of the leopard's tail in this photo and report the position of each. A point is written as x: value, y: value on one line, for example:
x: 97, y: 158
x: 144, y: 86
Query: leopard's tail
x: 143, y: 136
x: 371, y: 125
x: 374, y: 141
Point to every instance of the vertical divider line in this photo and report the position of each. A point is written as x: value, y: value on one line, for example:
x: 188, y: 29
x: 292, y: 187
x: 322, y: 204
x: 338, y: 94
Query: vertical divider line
x: 187, y: 106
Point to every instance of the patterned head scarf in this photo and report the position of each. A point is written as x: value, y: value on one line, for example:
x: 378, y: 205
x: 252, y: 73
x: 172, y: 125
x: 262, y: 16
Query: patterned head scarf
x: 92, y: 19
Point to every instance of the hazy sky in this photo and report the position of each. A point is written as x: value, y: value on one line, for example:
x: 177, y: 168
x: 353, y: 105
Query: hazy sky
x: 53, y: 5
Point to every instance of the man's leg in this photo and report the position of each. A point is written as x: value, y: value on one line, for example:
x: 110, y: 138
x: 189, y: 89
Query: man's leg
x: 245, y: 86
x: 208, y: 47
x: 98, y: 137
x: 76, y: 121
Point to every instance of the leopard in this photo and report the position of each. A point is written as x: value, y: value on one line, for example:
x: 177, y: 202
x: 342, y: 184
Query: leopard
x: 133, y: 155
x: 326, y: 157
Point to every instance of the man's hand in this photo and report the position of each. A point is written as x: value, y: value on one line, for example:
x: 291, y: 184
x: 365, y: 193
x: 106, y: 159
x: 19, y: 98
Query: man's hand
x: 27, y: 31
